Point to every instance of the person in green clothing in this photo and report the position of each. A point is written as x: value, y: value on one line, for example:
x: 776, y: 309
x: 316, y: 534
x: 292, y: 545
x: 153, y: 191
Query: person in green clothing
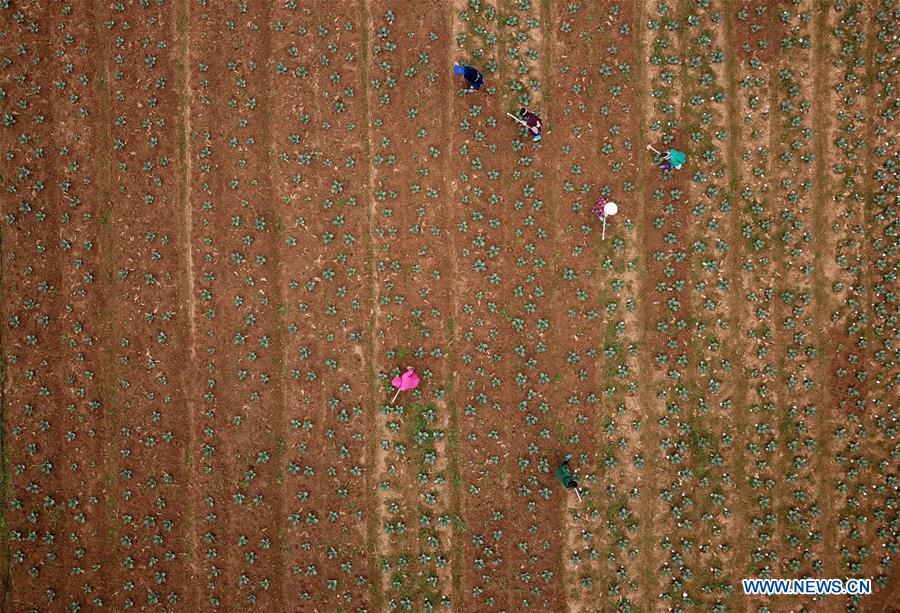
x: 673, y: 158
x: 564, y: 474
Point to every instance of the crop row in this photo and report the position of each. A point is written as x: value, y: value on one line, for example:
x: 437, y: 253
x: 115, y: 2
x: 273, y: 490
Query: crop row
x: 669, y: 294
x: 238, y: 300
x: 484, y: 366
x: 596, y: 283
x: 53, y: 395
x: 757, y: 118
x: 874, y: 442
x: 407, y: 82
x: 847, y: 282
x: 320, y: 192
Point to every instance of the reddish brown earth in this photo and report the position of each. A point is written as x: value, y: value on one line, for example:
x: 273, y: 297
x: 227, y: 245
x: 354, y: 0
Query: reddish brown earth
x: 226, y: 225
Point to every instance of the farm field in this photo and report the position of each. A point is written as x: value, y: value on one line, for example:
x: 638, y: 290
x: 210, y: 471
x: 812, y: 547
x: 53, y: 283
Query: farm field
x: 228, y: 224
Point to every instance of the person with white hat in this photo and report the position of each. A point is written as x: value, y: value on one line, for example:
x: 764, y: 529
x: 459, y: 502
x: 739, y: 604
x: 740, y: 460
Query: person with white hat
x: 602, y: 209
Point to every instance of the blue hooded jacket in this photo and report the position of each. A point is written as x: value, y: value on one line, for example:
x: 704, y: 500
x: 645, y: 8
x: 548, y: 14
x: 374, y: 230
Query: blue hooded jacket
x: 472, y: 76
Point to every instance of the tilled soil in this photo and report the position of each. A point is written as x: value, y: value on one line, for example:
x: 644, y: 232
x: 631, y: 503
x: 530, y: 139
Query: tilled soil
x: 227, y: 225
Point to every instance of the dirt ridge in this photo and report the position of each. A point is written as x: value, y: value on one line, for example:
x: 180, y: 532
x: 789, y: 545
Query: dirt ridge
x: 825, y: 400
x: 740, y: 410
x: 373, y: 520
x: 644, y: 224
x: 187, y: 289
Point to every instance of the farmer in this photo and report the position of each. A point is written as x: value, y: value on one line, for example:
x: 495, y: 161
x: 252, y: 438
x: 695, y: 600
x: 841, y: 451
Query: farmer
x: 673, y: 159
x: 598, y: 208
x: 604, y: 208
x: 532, y: 121
x: 564, y: 474
x: 474, y: 78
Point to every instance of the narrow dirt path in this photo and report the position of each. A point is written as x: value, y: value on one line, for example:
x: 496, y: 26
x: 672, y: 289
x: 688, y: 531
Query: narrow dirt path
x: 185, y: 164
x: 373, y: 520
x: 106, y: 268
x: 452, y: 216
x: 649, y: 506
x: 187, y: 305
x: 740, y: 410
x: 270, y: 135
x: 824, y: 214
x: 561, y: 517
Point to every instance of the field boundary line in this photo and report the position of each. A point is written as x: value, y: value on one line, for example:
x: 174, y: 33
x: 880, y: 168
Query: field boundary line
x: 186, y: 285
x: 5, y: 567
x: 107, y: 362
x: 562, y: 517
x: 377, y: 595
x: 648, y: 574
x: 457, y: 553
x: 739, y: 411
x: 824, y: 399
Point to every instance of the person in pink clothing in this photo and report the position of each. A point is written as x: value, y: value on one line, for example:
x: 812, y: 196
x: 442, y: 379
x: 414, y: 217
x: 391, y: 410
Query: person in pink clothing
x: 598, y: 208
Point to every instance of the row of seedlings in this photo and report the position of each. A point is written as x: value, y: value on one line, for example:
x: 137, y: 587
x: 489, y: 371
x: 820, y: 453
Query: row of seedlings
x: 408, y: 79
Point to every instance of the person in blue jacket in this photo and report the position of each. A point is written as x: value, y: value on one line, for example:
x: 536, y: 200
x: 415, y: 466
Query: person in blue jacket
x: 474, y: 78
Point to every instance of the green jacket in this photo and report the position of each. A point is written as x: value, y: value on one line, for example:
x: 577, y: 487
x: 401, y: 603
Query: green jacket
x: 564, y: 474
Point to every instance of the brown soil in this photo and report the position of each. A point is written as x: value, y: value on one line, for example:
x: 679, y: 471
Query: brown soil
x: 411, y: 255
x: 577, y: 99
x: 227, y: 225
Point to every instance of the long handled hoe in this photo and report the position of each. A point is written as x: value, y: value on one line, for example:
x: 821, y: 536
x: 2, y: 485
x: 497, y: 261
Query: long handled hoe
x: 519, y: 121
